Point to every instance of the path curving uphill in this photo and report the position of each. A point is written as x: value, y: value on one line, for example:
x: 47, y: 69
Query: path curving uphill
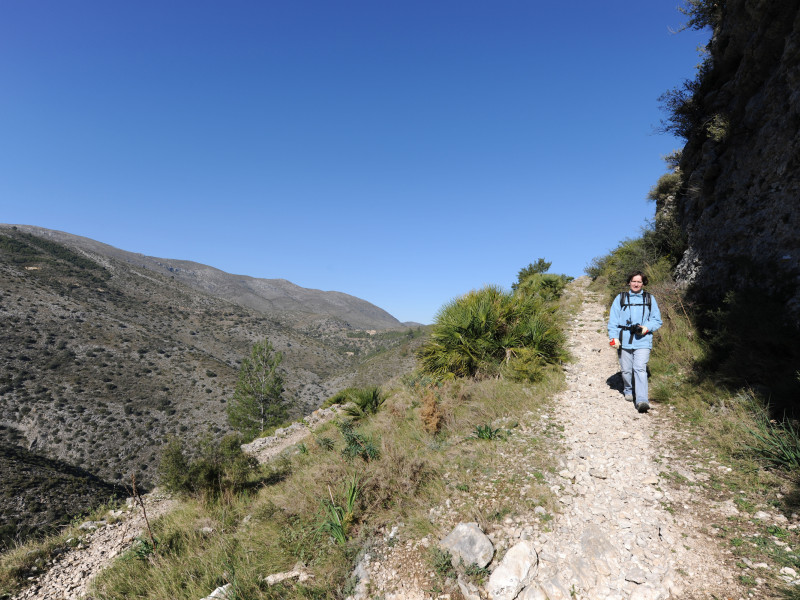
x: 614, y: 536
x: 70, y: 573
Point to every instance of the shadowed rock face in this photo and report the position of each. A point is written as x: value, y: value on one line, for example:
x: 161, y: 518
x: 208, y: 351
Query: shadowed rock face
x: 741, y: 205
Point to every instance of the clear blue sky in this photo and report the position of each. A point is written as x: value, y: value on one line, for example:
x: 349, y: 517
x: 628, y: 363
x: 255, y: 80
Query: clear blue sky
x: 404, y: 152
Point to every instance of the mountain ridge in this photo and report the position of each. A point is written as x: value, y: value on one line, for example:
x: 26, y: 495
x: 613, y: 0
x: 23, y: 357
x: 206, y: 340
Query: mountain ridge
x: 260, y: 294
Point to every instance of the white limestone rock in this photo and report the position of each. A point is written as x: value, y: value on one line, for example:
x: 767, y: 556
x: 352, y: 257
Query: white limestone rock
x: 469, y: 544
x: 516, y: 571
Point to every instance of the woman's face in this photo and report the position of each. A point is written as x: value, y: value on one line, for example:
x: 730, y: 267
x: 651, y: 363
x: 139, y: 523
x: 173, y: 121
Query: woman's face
x: 636, y: 283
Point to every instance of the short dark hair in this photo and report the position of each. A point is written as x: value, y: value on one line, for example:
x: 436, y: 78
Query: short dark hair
x: 640, y: 274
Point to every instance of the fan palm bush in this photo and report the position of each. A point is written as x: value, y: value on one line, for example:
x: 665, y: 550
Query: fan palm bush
x: 489, y: 331
x: 547, y: 285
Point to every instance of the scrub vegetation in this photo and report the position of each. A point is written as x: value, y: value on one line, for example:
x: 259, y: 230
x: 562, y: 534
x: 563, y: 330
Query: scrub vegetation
x: 491, y: 332
x: 388, y: 458
x: 322, y: 505
x: 102, y: 362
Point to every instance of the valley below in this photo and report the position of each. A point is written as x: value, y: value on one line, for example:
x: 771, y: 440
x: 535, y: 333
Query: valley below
x: 105, y: 355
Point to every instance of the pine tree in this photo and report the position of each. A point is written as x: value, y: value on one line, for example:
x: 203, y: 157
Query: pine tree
x: 258, y: 398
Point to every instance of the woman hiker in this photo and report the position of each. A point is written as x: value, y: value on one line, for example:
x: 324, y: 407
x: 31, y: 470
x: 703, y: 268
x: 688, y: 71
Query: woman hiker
x: 633, y: 318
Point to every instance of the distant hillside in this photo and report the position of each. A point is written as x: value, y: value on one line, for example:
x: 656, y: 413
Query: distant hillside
x: 101, y: 361
x: 263, y: 295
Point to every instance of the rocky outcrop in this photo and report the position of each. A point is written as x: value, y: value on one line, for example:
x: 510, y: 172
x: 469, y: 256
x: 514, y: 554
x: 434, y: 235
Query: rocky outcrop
x: 739, y: 205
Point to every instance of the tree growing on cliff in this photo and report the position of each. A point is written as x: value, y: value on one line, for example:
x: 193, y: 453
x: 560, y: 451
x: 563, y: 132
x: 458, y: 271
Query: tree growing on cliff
x: 258, y: 399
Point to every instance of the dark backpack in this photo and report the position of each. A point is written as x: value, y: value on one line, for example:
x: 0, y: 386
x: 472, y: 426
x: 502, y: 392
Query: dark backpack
x: 625, y: 300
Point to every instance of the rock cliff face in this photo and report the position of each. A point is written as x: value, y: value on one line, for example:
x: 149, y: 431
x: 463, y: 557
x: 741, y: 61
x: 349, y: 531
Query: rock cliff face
x: 740, y: 205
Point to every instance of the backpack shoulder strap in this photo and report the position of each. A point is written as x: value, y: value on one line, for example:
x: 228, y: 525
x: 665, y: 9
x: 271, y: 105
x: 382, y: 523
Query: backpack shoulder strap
x: 624, y: 299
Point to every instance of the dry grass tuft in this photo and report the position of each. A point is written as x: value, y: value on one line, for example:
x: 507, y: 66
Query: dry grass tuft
x: 430, y: 412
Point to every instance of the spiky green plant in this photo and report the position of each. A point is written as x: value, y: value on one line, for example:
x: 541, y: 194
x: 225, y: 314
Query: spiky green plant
x: 357, y: 444
x: 363, y: 402
x: 480, y: 331
x: 338, y: 516
x: 485, y: 432
x: 778, y: 442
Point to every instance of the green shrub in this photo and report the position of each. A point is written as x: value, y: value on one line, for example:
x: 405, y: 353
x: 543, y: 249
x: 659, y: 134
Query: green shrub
x: 777, y: 442
x: 524, y: 364
x: 441, y: 562
x: 475, y: 334
x: 221, y: 466
x: 485, y: 432
x: 340, y: 397
x: 547, y: 286
x: 357, y: 444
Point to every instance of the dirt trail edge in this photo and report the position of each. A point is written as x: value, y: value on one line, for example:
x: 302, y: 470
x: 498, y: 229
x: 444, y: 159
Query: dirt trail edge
x: 614, y: 537
x: 69, y: 574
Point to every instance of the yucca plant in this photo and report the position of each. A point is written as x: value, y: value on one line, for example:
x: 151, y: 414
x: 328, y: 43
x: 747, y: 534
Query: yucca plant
x: 777, y: 442
x: 485, y: 432
x: 338, y: 517
x: 363, y: 402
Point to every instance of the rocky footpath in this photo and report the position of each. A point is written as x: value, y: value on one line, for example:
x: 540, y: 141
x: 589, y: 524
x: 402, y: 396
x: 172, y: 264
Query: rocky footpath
x: 611, y: 536
x: 69, y: 572
x: 67, y: 576
x: 267, y: 448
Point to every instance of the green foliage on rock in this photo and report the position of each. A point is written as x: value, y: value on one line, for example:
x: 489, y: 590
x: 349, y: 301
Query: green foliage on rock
x: 701, y: 13
x: 682, y: 105
x: 665, y: 188
x: 258, y: 398
x: 480, y: 332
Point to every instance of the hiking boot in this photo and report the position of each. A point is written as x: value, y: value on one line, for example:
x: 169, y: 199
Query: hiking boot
x: 643, y: 406
x: 629, y: 398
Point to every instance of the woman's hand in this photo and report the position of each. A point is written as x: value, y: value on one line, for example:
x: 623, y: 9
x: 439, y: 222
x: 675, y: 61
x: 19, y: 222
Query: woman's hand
x: 644, y: 330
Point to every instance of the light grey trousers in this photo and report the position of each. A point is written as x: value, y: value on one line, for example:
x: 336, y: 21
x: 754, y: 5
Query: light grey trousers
x: 633, y: 364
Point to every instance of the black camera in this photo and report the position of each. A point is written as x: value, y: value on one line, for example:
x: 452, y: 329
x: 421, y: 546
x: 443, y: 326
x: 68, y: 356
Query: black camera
x: 637, y: 329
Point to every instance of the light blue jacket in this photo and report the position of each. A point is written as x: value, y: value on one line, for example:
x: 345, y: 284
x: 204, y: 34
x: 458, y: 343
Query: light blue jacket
x: 632, y: 314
